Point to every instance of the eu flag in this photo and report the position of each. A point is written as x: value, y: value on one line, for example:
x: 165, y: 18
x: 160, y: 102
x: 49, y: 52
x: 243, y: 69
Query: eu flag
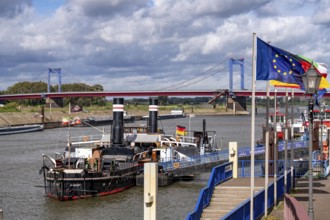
x: 276, y: 64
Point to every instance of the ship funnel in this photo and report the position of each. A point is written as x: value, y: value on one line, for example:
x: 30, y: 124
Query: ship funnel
x: 205, y: 138
x: 153, y: 114
x: 118, y: 122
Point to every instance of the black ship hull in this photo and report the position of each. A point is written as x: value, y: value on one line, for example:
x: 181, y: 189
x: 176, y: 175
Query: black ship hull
x: 65, y: 185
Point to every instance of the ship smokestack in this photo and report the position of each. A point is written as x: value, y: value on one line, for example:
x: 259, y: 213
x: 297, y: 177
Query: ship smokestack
x: 205, y: 138
x: 118, y: 122
x: 153, y: 114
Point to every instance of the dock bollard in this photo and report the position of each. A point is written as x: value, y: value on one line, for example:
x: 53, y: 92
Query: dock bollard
x: 1, y: 214
x: 233, y: 157
x: 150, y: 190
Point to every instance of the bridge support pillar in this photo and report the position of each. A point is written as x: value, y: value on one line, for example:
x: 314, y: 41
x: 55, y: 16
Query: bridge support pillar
x: 233, y: 157
x: 239, y: 102
x: 54, y: 102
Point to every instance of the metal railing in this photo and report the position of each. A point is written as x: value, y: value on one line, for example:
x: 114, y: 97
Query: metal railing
x: 172, y: 164
x: 219, y: 174
x: 320, y: 168
x: 243, y: 210
x: 293, y: 209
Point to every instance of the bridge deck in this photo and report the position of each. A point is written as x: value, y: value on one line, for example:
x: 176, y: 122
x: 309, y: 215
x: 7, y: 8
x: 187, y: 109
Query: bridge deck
x: 51, y: 95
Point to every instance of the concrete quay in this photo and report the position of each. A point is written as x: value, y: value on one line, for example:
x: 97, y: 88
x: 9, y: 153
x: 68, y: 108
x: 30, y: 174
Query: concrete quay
x: 321, y: 199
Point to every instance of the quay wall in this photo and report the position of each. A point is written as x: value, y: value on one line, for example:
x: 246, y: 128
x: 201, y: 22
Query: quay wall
x: 29, y: 117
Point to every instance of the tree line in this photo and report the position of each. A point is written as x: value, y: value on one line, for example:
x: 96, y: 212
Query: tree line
x: 41, y: 87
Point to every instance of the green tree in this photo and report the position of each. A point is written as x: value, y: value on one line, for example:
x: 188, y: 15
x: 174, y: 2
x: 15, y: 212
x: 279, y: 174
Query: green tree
x: 163, y: 100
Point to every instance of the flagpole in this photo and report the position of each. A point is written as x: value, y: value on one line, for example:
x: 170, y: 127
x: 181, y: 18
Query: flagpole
x: 253, y: 123
x: 275, y: 147
x: 286, y: 140
x: 267, y: 149
x: 292, y: 137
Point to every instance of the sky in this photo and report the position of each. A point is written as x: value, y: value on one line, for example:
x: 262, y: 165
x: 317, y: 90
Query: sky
x: 153, y: 44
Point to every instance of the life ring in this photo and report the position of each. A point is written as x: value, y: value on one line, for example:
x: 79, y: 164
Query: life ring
x: 176, y: 165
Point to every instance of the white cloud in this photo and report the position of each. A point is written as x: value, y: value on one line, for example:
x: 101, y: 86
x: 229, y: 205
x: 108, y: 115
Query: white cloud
x: 153, y: 43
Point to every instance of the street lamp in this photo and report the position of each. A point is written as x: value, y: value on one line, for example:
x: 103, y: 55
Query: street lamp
x: 321, y: 118
x: 311, y: 80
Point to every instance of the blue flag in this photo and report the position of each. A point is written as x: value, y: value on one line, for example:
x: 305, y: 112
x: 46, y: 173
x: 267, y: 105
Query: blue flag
x: 276, y: 64
x: 319, y: 95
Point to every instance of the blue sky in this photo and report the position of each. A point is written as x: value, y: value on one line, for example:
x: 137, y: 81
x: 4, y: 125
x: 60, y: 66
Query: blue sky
x: 153, y: 44
x: 46, y: 7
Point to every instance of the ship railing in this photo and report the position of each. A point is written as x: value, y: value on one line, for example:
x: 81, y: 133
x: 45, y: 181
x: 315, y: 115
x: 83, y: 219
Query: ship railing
x: 85, y: 138
x: 176, y: 143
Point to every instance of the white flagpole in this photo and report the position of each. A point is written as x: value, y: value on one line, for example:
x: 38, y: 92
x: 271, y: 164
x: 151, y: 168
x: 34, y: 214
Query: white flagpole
x: 275, y: 146
x: 286, y: 140
x: 254, y: 68
x: 292, y: 137
x: 267, y: 151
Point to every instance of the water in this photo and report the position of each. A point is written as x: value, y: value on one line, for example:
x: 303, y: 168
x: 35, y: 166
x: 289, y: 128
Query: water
x: 21, y: 196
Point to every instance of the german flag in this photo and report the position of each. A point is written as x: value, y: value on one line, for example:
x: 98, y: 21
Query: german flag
x: 180, y: 130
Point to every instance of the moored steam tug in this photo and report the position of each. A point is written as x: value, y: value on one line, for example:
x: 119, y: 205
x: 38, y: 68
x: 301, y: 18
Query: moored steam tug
x: 88, y: 170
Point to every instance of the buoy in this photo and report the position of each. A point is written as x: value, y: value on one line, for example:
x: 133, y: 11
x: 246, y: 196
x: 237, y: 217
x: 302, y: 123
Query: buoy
x: 176, y: 165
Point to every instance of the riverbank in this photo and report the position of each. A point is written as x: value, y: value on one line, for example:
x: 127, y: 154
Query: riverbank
x: 56, y: 115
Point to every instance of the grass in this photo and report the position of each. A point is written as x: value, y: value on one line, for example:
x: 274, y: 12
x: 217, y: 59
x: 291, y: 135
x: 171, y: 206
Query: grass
x: 13, y: 107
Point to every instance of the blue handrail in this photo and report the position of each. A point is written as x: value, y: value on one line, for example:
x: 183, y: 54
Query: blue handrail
x: 243, y: 210
x: 219, y: 174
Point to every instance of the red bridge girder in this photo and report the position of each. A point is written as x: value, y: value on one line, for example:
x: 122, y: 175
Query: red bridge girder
x: 246, y: 93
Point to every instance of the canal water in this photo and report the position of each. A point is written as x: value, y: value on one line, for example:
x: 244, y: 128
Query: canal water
x: 22, y: 195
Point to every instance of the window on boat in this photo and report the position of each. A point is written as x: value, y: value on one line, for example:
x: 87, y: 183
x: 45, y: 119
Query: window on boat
x: 278, y: 118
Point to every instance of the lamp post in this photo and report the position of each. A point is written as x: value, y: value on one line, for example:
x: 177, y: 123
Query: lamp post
x: 311, y: 80
x: 321, y: 118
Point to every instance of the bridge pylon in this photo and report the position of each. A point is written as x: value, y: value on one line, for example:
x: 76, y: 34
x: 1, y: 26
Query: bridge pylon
x: 55, y: 102
x: 236, y: 102
x: 58, y: 72
x: 239, y: 62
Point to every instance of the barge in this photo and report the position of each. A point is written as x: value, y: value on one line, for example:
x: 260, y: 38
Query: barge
x: 20, y: 129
